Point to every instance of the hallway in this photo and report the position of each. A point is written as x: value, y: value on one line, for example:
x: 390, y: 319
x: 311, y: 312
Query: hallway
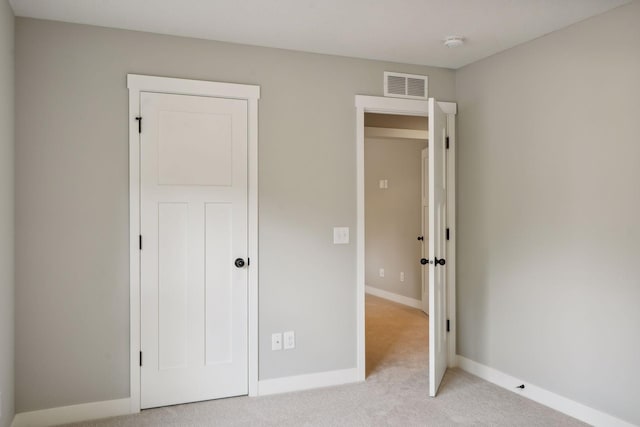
x: 397, y: 339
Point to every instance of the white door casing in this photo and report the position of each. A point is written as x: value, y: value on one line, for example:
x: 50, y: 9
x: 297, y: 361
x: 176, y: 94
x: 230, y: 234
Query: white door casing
x: 437, y: 246
x: 424, y: 215
x: 387, y: 105
x: 193, y: 226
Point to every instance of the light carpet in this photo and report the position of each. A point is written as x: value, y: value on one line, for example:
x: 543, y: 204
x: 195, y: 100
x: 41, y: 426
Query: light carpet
x: 394, y: 394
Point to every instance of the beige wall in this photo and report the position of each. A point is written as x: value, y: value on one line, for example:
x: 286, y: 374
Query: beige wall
x: 548, y: 212
x: 392, y: 215
x: 72, y: 205
x: 6, y: 213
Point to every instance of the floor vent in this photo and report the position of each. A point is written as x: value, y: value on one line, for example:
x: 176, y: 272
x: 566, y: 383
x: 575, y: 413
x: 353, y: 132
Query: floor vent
x: 400, y: 85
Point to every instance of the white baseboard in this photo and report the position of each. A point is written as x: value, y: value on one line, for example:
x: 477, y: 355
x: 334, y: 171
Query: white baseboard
x: 114, y: 408
x: 308, y: 381
x: 401, y: 299
x: 559, y: 403
x: 72, y: 414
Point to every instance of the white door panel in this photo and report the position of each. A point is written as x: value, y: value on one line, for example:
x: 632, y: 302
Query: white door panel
x: 424, y: 214
x: 194, y: 225
x: 437, y: 246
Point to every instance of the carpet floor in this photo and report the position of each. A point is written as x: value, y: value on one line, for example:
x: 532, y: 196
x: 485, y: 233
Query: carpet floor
x: 394, y: 394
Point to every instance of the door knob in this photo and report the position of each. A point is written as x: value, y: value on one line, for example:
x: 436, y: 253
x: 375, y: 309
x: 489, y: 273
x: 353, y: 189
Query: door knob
x: 420, y: 237
x: 239, y: 262
x: 424, y: 261
x: 439, y: 261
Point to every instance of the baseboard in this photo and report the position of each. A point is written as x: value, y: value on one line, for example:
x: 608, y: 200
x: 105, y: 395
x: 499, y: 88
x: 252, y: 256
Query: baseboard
x: 555, y: 401
x: 306, y: 382
x: 72, y: 414
x: 401, y: 299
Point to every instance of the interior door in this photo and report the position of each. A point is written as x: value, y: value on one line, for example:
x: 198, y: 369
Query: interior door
x: 424, y: 214
x: 194, y: 246
x: 437, y: 249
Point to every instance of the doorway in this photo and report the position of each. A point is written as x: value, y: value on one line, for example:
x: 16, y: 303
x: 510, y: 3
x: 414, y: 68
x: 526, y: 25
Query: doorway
x: 396, y: 208
x: 193, y: 229
x: 396, y: 238
x: 441, y: 135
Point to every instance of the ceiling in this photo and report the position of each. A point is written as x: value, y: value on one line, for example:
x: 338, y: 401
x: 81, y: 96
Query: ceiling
x: 408, y: 31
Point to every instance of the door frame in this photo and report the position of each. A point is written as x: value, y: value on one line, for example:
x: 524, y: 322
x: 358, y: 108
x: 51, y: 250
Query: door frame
x: 251, y: 93
x: 408, y: 107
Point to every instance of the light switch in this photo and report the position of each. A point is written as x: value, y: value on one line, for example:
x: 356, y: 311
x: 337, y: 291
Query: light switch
x: 289, y: 340
x: 384, y: 184
x: 340, y: 235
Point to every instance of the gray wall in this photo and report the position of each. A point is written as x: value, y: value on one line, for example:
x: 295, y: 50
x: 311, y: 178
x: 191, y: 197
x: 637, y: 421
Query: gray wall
x: 549, y: 209
x: 72, y: 199
x: 392, y: 215
x: 6, y: 213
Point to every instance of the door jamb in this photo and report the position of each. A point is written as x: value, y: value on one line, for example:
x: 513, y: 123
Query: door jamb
x: 408, y: 107
x: 251, y: 93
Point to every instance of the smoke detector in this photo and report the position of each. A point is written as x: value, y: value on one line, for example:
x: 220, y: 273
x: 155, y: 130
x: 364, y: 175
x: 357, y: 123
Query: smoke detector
x: 453, y: 41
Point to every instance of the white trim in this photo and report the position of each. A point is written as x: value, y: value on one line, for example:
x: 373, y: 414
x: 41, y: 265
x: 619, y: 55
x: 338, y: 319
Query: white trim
x: 253, y: 246
x: 451, y: 224
x: 360, y: 323
x: 308, y: 381
x: 134, y: 252
x: 545, y: 397
x: 140, y: 83
x: 449, y: 108
x: 137, y: 84
x: 400, y: 299
x: 72, y: 414
x: 378, y: 104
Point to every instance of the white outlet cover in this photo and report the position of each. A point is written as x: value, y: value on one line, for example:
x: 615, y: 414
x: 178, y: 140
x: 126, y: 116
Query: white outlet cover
x: 381, y: 272
x: 289, y: 340
x: 340, y: 235
x: 276, y: 341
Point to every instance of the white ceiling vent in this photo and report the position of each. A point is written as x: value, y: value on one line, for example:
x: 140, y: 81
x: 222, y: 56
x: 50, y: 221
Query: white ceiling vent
x: 402, y: 85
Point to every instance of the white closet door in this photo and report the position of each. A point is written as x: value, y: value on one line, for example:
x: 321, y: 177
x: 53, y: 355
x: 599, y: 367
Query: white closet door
x: 194, y: 226
x: 437, y: 248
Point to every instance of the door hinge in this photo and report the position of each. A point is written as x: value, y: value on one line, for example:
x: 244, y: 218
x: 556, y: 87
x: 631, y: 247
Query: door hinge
x: 139, y: 119
x: 140, y: 358
x: 140, y: 241
x: 446, y: 142
x: 447, y: 233
x: 448, y: 327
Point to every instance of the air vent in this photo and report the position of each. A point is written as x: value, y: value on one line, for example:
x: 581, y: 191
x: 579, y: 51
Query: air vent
x: 402, y: 85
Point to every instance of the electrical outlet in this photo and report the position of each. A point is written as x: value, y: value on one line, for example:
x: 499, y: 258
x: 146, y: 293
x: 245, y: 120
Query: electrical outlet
x: 276, y: 341
x: 289, y: 340
x: 402, y: 276
x: 381, y: 272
